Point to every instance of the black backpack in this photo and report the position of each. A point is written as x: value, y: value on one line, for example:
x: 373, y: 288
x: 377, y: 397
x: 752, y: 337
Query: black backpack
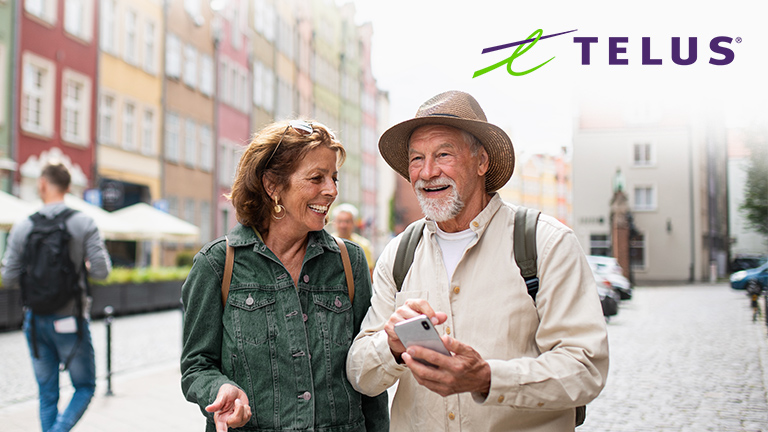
x: 525, y: 257
x: 49, y: 278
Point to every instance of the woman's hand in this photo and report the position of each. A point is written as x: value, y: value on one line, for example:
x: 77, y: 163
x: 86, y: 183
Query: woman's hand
x: 231, y: 408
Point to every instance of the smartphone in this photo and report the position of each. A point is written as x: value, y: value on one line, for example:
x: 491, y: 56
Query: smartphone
x: 419, y: 331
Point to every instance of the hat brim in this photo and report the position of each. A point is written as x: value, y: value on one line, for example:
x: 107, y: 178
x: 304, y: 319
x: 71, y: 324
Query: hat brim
x: 393, y: 146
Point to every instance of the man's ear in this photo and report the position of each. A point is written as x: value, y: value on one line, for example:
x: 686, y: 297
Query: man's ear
x: 483, y: 161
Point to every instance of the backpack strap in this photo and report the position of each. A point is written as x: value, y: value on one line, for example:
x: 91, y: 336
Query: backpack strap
x: 347, y: 268
x: 524, y: 232
x: 405, y: 251
x: 229, y: 263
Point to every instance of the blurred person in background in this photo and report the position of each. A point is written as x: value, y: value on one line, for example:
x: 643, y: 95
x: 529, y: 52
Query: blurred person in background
x: 345, y: 219
x: 271, y: 355
x: 59, y: 339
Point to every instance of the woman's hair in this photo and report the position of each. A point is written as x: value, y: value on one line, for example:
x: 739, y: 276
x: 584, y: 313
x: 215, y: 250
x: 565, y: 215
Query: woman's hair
x: 252, y: 203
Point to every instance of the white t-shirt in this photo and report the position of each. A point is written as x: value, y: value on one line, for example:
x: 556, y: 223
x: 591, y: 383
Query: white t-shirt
x: 453, y: 246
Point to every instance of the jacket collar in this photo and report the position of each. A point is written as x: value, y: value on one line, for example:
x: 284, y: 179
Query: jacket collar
x: 242, y: 235
x: 481, y: 221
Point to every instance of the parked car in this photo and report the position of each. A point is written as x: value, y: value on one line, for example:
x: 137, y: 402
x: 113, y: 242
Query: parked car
x: 756, y: 278
x: 609, y: 298
x: 610, y: 269
x: 746, y: 262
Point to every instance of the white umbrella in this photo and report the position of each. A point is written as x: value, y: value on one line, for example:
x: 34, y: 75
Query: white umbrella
x: 12, y: 210
x: 144, y: 222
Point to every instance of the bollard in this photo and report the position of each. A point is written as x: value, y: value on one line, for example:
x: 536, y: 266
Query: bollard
x: 108, y: 311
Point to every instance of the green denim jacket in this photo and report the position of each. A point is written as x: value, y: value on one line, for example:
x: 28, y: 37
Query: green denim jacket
x: 284, y: 346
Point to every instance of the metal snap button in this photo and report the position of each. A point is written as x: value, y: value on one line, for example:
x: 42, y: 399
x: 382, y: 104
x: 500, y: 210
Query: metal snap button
x: 306, y: 278
x: 337, y: 302
x: 249, y: 301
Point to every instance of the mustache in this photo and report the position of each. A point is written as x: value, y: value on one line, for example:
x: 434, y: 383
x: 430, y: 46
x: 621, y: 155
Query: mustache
x: 440, y: 181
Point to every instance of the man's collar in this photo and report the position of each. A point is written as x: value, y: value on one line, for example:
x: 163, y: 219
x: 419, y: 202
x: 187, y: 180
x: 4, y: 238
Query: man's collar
x: 482, y: 219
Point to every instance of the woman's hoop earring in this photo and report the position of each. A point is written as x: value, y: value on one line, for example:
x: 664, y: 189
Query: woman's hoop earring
x: 278, y: 209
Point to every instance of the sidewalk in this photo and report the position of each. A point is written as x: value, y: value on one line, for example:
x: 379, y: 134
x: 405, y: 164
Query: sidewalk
x: 146, y: 400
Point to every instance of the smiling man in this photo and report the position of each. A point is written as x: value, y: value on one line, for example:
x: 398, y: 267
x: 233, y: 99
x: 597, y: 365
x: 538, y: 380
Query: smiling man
x: 518, y: 363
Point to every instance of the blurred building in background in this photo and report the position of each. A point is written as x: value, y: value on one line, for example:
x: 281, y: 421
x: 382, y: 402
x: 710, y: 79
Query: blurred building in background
x: 745, y: 242
x: 154, y: 101
x: 671, y: 165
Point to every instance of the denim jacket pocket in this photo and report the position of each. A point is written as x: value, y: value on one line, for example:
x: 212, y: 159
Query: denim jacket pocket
x: 253, y: 316
x: 334, y: 313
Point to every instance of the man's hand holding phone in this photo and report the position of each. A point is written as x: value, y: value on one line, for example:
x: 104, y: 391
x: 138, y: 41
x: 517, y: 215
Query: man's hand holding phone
x: 464, y: 371
x: 411, y: 308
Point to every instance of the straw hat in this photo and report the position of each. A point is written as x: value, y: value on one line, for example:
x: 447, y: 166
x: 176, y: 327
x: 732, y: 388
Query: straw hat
x: 460, y: 110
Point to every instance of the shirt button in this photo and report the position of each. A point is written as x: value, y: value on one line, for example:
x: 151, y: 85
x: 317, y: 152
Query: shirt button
x: 500, y: 399
x: 306, y: 278
x: 475, y: 224
x: 456, y: 290
x: 451, y: 416
x: 447, y: 330
x: 304, y: 317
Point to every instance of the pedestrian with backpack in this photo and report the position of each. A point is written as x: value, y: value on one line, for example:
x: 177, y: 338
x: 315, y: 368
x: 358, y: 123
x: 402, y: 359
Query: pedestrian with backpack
x: 522, y: 322
x: 50, y: 255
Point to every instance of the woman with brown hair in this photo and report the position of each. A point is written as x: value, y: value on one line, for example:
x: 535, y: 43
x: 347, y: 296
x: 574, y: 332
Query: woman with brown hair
x: 271, y: 355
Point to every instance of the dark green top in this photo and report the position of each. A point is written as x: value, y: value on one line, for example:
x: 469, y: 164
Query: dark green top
x: 284, y: 346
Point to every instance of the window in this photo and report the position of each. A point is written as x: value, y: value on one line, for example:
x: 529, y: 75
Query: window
x: 107, y: 25
x: 189, y: 210
x: 76, y: 102
x: 149, y: 47
x: 599, y: 244
x: 190, y: 66
x: 172, y: 56
x: 37, y: 95
x: 645, y: 198
x: 172, y: 137
x: 3, y: 74
x: 173, y: 206
x: 225, y: 176
x: 642, y: 155
x: 637, y: 251
x: 263, y: 86
x: 148, y: 133
x: 192, y: 7
x: 190, y: 143
x: 129, y: 53
x: 129, y: 126
x: 205, y: 222
x: 206, y: 75
x: 107, y: 119
x: 264, y: 19
x: 43, y: 9
x: 206, y: 148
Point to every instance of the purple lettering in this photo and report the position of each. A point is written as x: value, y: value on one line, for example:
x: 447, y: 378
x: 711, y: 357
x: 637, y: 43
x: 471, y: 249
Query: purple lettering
x: 726, y: 52
x: 647, y: 60
x: 585, y: 42
x: 614, y: 50
x: 691, y: 52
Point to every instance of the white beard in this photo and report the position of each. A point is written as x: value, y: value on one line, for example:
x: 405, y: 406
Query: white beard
x: 439, y: 209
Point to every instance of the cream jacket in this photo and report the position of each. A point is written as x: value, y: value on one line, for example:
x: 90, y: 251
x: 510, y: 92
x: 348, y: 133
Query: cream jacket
x: 546, y: 358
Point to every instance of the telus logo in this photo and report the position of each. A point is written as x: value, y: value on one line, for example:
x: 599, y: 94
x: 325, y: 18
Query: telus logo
x: 722, y: 54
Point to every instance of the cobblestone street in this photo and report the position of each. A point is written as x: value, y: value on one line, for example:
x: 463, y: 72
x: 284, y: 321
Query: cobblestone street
x: 686, y: 358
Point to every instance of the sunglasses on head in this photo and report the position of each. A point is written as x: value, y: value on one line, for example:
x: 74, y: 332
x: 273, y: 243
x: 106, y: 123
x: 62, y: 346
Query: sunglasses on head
x: 300, y: 127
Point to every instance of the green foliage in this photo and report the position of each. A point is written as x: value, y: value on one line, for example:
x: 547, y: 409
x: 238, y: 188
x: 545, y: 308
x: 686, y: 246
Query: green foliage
x: 125, y: 275
x: 184, y: 259
x: 755, y: 205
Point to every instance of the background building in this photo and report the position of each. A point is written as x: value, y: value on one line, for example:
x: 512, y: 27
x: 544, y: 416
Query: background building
x: 672, y: 169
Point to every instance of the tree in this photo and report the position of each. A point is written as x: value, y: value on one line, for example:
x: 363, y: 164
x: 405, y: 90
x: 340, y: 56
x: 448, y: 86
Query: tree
x: 755, y: 205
